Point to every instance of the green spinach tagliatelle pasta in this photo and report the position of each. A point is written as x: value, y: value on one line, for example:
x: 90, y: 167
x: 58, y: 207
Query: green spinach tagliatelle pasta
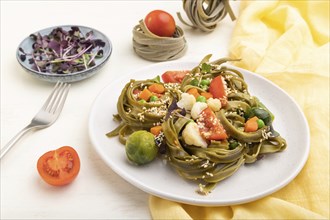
x: 221, y: 158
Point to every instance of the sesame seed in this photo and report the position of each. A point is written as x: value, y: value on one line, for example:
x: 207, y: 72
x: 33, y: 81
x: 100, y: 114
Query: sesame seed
x: 209, y: 174
x: 141, y: 116
x: 206, y: 164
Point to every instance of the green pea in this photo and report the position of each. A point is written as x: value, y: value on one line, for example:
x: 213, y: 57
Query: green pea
x: 153, y: 98
x: 262, y: 114
x: 201, y: 99
x: 204, y: 87
x: 205, y: 82
x: 142, y: 101
x: 260, y: 123
x: 194, y: 82
x: 233, y: 144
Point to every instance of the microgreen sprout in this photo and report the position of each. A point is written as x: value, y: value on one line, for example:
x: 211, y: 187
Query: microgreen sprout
x: 63, y: 52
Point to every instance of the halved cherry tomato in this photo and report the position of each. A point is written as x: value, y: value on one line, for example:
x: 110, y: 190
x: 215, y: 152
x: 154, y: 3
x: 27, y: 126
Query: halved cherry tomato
x: 59, y: 167
x: 160, y: 23
x: 174, y: 76
x: 210, y: 126
x: 217, y: 89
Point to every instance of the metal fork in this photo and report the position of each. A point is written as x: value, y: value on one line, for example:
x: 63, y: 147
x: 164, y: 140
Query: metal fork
x: 46, y: 116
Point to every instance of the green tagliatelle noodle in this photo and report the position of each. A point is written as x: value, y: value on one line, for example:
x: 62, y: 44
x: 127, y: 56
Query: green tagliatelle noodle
x: 155, y: 48
x: 222, y: 158
x: 137, y: 115
x: 206, y: 14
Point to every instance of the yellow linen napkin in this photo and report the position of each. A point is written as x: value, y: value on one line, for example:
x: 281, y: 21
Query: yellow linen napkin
x: 288, y: 43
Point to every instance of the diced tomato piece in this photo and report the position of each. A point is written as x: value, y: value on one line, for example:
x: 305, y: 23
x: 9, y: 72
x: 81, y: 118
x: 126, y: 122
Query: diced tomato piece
x: 217, y: 89
x: 136, y: 91
x: 210, y: 126
x: 158, y: 95
x: 174, y: 76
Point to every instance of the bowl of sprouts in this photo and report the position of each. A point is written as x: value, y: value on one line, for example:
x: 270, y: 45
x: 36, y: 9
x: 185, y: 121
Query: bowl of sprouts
x: 66, y: 53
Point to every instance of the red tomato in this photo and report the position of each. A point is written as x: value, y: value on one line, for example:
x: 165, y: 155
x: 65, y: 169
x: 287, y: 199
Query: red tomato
x: 175, y: 76
x: 210, y: 126
x: 160, y: 23
x: 136, y: 91
x: 59, y: 167
x: 217, y: 89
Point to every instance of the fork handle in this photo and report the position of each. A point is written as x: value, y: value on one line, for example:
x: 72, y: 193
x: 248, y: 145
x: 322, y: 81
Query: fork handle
x: 12, y: 142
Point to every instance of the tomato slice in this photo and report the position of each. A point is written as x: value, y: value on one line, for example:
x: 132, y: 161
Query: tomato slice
x: 174, y: 76
x: 210, y: 126
x: 217, y: 89
x: 59, y: 167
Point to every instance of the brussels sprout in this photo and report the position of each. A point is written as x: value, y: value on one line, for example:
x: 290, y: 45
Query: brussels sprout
x: 141, y: 147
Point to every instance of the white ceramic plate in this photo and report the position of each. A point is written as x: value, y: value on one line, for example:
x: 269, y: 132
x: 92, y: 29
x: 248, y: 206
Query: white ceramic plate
x: 249, y: 183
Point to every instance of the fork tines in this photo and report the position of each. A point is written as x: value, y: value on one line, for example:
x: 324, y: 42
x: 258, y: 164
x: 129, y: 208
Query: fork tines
x: 55, y: 101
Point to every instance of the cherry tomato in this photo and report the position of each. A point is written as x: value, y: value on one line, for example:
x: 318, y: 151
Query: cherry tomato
x: 175, y: 76
x: 59, y: 167
x: 160, y: 23
x: 210, y: 126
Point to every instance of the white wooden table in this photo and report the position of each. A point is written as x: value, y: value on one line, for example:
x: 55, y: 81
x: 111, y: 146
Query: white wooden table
x: 98, y: 192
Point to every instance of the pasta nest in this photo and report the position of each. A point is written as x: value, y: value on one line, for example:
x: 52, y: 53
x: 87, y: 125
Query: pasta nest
x: 206, y: 14
x: 152, y: 47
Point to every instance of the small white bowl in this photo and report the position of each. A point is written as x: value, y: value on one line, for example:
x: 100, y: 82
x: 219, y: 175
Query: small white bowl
x: 27, y: 43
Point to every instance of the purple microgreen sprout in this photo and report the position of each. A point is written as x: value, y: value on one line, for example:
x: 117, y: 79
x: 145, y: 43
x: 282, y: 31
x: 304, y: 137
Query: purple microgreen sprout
x: 63, y: 52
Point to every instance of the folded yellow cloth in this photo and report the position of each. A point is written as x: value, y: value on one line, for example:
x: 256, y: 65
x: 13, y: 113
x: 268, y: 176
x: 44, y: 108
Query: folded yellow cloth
x: 288, y: 43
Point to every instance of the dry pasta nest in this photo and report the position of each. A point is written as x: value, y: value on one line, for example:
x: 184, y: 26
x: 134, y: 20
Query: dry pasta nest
x: 152, y: 47
x: 206, y: 14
